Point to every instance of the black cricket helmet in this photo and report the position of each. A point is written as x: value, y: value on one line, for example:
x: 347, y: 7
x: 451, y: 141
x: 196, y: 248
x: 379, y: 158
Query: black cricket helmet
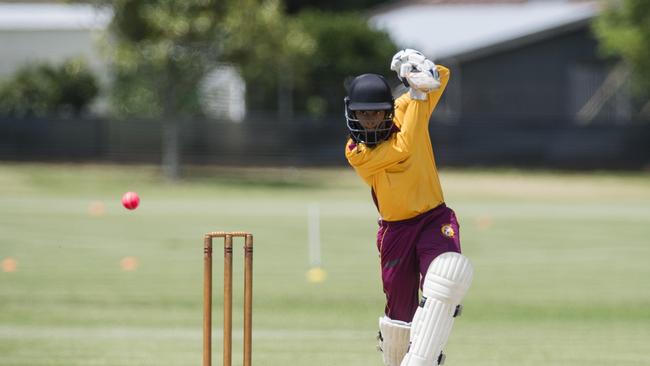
x: 369, y: 92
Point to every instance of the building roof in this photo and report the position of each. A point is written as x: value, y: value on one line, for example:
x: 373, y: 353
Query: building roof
x: 21, y: 16
x: 463, y: 29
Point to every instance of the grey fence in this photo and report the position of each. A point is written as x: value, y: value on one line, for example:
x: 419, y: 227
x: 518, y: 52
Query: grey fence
x: 262, y: 140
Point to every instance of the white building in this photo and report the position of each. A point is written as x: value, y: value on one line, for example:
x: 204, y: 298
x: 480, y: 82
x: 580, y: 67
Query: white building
x: 53, y: 33
x: 513, y: 57
x: 50, y: 33
x: 444, y: 29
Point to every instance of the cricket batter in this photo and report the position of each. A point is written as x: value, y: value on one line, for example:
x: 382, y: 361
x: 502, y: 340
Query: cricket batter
x: 418, y: 237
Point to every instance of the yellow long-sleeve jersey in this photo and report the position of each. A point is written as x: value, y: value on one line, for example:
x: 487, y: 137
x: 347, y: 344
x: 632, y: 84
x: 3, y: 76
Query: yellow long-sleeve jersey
x: 402, y: 170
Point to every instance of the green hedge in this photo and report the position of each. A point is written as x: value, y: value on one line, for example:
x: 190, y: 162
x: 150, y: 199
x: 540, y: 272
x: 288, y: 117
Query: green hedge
x: 43, y: 89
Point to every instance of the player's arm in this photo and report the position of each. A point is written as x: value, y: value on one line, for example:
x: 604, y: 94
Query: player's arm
x: 413, y: 115
x: 370, y: 161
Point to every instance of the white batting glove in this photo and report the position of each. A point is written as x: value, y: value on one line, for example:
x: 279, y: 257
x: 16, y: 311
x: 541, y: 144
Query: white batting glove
x: 416, y: 72
x: 406, y: 57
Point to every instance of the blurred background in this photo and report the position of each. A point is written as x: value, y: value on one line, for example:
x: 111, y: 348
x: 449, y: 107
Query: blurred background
x: 555, y: 84
x: 228, y: 115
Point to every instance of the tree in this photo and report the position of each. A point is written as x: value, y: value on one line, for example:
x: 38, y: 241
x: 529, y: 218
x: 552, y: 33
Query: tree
x: 346, y: 46
x: 624, y: 30
x: 163, y: 48
x: 300, y: 62
x: 43, y: 89
x: 271, y: 50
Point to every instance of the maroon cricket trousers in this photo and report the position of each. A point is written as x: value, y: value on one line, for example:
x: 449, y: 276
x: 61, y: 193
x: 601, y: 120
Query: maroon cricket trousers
x: 406, y: 249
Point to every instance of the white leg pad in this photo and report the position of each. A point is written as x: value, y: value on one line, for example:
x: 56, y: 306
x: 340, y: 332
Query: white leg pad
x: 445, y: 284
x: 394, y: 337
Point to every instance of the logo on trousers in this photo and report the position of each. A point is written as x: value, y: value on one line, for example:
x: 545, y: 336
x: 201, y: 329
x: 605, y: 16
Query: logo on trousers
x: 448, y: 231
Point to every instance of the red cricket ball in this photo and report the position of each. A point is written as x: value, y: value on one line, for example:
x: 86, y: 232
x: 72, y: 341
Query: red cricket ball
x: 130, y: 200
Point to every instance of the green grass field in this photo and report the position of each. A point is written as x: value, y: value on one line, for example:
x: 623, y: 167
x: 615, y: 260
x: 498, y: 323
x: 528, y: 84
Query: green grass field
x: 562, y: 266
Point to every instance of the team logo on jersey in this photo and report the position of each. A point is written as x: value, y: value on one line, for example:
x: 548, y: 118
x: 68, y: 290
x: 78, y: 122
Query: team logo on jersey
x: 448, y: 231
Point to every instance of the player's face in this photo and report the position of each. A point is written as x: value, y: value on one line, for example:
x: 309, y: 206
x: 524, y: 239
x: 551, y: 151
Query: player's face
x: 370, y: 119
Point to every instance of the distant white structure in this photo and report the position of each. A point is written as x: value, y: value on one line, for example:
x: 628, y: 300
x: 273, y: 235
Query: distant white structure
x: 443, y: 29
x: 50, y: 33
x: 223, y: 94
x: 53, y: 33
